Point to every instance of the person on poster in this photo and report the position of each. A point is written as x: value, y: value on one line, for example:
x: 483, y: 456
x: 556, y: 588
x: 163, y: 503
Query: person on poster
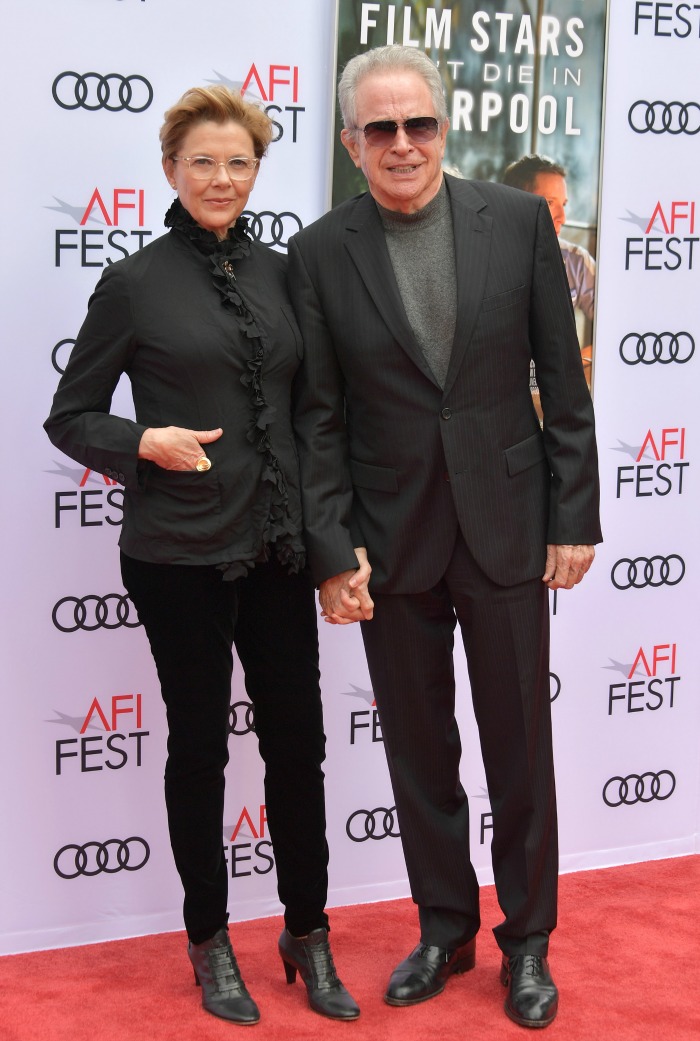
x: 211, y: 544
x: 421, y: 303
x: 542, y: 176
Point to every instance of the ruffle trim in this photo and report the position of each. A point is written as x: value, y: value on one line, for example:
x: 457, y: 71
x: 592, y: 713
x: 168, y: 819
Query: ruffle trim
x: 279, y: 529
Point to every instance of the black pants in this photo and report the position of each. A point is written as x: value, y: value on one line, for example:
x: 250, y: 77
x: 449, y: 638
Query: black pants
x: 409, y: 645
x: 192, y: 617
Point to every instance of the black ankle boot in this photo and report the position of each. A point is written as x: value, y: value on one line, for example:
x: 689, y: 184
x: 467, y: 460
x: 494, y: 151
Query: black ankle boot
x: 311, y: 956
x: 224, y: 993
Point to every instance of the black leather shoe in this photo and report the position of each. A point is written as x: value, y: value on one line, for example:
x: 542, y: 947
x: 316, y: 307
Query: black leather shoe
x: 532, y: 998
x: 425, y: 972
x: 311, y: 956
x: 224, y: 993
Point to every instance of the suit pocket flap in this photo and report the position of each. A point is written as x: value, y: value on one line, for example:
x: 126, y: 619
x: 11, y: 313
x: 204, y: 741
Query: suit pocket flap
x: 525, y: 454
x: 376, y: 478
x: 511, y: 296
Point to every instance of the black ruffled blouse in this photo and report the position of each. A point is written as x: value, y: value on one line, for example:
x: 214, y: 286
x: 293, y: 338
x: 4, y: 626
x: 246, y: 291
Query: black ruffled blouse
x: 189, y: 318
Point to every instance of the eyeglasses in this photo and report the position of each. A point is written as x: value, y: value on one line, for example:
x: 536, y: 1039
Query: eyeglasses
x: 419, y: 129
x: 204, y: 168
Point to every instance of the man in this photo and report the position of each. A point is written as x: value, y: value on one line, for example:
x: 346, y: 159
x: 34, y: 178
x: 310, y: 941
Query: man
x: 421, y: 303
x: 544, y: 177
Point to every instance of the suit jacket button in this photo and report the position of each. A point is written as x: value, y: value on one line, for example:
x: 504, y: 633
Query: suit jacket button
x: 446, y: 413
x: 446, y: 476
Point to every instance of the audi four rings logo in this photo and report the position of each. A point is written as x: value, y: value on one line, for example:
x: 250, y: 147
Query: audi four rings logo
x: 648, y: 348
x: 54, y: 354
x: 96, y: 858
x: 94, y: 612
x: 554, y: 686
x: 93, y: 91
x: 272, y: 229
x: 664, y: 117
x: 652, y: 571
x: 241, y: 718
x: 373, y: 824
x: 634, y: 788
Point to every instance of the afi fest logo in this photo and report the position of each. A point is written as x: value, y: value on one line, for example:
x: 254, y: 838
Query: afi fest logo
x: 254, y: 854
x: 118, y: 742
x: 96, y: 247
x: 668, y: 242
x: 84, y: 507
x: 660, y: 18
x: 664, y: 472
x: 656, y: 667
x: 364, y: 723
x: 278, y: 87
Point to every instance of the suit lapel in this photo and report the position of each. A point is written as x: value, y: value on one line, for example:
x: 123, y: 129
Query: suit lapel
x: 472, y: 233
x: 366, y: 244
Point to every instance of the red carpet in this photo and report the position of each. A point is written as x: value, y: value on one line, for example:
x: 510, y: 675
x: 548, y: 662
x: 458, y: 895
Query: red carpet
x: 625, y: 958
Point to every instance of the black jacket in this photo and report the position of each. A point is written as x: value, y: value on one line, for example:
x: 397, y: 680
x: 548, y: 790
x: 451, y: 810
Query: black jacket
x: 393, y: 462
x: 165, y: 317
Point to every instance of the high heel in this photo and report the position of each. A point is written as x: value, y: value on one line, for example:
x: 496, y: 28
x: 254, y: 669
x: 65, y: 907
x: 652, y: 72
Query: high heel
x: 290, y: 971
x: 311, y: 957
x: 216, y: 971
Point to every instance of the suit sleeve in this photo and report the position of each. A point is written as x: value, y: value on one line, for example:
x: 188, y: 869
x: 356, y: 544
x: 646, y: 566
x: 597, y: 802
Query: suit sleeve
x: 568, y: 425
x: 319, y: 424
x: 79, y: 422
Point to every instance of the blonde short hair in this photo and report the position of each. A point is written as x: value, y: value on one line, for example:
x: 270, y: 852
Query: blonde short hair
x: 217, y: 104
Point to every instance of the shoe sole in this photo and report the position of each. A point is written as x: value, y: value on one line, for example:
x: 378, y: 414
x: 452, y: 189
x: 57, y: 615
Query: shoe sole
x: 227, y: 1019
x: 534, y: 1024
x: 329, y: 1015
x: 403, y: 1002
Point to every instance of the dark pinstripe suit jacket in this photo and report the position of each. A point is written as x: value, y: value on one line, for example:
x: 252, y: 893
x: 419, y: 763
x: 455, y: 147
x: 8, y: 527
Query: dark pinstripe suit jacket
x: 391, y: 461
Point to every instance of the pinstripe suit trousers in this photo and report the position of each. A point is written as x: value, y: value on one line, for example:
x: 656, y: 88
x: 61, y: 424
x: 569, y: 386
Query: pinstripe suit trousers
x: 409, y: 645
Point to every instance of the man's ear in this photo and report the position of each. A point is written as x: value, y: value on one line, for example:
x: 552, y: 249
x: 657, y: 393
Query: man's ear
x: 350, y: 141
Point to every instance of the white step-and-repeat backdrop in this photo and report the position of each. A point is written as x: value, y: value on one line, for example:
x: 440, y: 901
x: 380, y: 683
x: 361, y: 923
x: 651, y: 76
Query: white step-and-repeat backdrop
x: 85, y: 853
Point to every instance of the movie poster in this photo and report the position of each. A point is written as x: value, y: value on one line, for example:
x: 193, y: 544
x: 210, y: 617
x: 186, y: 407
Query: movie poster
x: 522, y: 78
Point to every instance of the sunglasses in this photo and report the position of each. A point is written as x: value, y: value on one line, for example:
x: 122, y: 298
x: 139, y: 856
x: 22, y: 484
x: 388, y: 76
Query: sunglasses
x: 419, y: 129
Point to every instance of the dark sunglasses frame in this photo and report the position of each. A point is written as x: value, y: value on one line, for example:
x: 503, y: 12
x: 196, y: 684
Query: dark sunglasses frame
x: 420, y: 129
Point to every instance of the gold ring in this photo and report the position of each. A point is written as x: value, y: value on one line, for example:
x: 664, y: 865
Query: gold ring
x: 203, y: 464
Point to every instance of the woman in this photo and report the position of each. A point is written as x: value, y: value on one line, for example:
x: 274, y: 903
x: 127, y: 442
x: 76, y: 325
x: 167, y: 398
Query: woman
x: 211, y: 545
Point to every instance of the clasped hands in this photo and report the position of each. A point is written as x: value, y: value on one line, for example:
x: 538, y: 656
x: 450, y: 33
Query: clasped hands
x: 345, y: 598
